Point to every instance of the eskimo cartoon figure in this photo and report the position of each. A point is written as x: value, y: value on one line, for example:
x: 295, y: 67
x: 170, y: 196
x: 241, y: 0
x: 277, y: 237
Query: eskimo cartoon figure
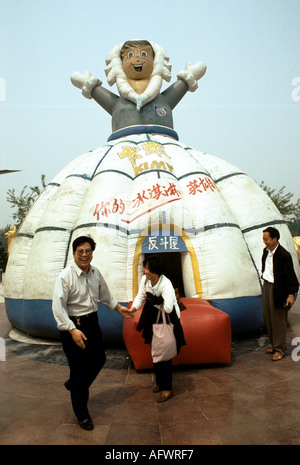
x: 138, y: 68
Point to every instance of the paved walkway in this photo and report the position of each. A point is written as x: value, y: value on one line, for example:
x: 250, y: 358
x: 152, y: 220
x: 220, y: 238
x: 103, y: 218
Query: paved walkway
x: 252, y: 400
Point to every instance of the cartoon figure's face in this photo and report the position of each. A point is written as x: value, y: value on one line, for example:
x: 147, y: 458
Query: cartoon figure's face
x: 137, y: 62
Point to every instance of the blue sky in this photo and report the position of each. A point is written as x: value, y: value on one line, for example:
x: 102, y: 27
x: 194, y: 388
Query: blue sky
x: 246, y: 109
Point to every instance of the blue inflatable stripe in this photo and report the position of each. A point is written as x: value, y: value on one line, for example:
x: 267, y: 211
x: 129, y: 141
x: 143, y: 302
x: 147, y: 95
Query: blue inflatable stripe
x: 245, y: 312
x: 143, y: 129
x: 35, y: 317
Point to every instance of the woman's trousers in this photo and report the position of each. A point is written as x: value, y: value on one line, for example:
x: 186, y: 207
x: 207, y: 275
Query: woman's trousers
x: 163, y: 374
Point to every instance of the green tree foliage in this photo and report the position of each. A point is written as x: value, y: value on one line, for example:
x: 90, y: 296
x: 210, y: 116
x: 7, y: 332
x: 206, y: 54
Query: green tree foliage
x: 283, y: 201
x: 22, y: 203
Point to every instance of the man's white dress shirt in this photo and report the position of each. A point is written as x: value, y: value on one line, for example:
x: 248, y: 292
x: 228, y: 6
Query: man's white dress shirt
x: 268, y: 274
x: 77, y: 293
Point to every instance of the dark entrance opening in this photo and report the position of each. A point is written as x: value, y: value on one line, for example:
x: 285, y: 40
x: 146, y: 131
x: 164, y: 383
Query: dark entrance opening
x: 173, y: 270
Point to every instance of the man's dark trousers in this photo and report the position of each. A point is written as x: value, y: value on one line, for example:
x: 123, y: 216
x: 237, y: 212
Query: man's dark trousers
x: 85, y: 364
x: 275, y: 319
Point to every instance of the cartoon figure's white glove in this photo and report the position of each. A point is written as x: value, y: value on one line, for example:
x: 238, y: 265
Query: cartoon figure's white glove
x: 192, y: 73
x: 86, y: 82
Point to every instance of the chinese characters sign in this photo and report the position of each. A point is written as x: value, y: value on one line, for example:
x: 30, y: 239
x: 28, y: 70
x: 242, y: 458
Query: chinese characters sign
x: 154, y: 196
x: 160, y: 243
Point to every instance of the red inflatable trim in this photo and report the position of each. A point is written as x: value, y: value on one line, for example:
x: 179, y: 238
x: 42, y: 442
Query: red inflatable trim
x: 207, y: 333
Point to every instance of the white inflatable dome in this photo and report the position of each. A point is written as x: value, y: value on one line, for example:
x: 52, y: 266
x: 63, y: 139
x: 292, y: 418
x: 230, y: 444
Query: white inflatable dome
x: 139, y: 194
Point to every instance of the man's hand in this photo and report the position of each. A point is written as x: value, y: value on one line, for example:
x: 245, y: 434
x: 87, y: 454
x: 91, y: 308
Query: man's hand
x: 124, y: 311
x: 131, y: 310
x: 290, y: 301
x: 78, y: 337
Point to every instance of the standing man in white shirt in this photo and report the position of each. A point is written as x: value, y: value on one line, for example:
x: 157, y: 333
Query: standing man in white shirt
x: 279, y: 290
x: 77, y: 290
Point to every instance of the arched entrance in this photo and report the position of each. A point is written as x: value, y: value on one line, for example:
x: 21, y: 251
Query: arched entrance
x: 178, y: 252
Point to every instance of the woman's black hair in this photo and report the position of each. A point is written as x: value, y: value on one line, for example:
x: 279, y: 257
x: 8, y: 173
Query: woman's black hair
x: 155, y: 264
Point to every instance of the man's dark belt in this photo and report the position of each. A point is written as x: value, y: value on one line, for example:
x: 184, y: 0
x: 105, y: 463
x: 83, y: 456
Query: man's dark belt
x: 79, y: 320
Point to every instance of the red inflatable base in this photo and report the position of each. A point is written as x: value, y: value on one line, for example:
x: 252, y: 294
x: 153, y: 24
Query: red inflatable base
x: 207, y: 333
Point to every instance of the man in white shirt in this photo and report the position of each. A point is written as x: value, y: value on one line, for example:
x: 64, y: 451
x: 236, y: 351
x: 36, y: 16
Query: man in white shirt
x: 77, y: 290
x: 279, y: 290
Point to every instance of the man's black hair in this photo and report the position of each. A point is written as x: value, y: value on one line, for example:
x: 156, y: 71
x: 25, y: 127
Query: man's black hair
x: 273, y: 232
x: 81, y: 240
